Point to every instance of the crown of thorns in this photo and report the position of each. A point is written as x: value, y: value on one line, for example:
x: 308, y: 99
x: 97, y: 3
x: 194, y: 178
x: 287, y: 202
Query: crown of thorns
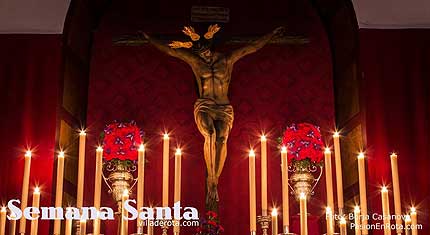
x: 195, y: 37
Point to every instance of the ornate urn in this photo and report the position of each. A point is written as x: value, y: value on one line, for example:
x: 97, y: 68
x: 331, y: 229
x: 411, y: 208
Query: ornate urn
x: 120, y: 144
x: 305, y: 157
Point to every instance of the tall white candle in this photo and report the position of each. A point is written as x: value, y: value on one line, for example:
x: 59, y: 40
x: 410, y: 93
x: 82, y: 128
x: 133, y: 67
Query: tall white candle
x: 329, y: 178
x: 12, y: 224
x: 263, y: 141
x: 408, y: 223
x: 396, y: 192
x: 3, y: 220
x: 98, y: 187
x: 357, y: 220
x: 339, y: 181
x: 252, y: 193
x: 342, y: 226
x: 330, y: 220
x: 69, y: 225
x: 140, y: 182
x: 165, y: 199
x: 177, y: 192
x: 150, y: 227
x: 285, y: 196
x: 124, y: 214
x: 386, y: 210
x: 274, y: 222
x: 414, y: 221
x: 303, y: 214
x: 24, y: 192
x: 59, y: 190
x: 83, y: 227
x: 36, y: 203
x: 362, y: 186
x: 81, y: 169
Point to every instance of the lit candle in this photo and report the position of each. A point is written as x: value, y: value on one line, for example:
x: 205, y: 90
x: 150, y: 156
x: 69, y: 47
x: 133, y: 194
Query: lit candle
x: 303, y: 215
x: 408, y: 223
x: 12, y: 224
x: 83, y: 227
x: 414, y: 221
x: 263, y: 141
x: 339, y: 181
x: 362, y: 186
x: 330, y: 220
x: 177, y: 192
x: 24, y: 193
x: 150, y: 228
x: 396, y: 192
x: 81, y: 169
x: 59, y: 190
x: 98, y: 187
x: 165, y: 200
x: 274, y: 222
x: 328, y: 177
x: 342, y: 226
x: 140, y: 182
x: 124, y: 213
x: 252, y: 196
x: 357, y: 220
x: 68, y: 227
x: 285, y: 198
x: 386, y: 210
x: 3, y: 220
x: 36, y: 203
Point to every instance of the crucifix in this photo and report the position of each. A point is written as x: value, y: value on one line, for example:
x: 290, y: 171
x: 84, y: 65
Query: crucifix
x: 212, y: 70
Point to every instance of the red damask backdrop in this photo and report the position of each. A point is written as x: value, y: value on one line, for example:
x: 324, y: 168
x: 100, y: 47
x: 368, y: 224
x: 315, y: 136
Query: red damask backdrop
x: 270, y: 89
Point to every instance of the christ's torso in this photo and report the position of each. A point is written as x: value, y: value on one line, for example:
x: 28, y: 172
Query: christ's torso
x: 213, y: 78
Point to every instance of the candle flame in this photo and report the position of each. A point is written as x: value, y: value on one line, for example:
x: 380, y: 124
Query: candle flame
x: 99, y: 149
x: 360, y: 155
x: 274, y: 212
x: 28, y: 153
x: 37, y: 190
x: 263, y: 138
x: 413, y: 210
x: 82, y: 132
x: 302, y: 195
x: 342, y: 220
x: 336, y: 134
x: 327, y: 150
x: 178, y: 151
x: 408, y: 218
x: 357, y: 209
x: 284, y: 149
x: 166, y: 136
x: 393, y: 155
x: 142, y: 147
x: 125, y: 192
x: 61, y: 154
x: 384, y: 189
x: 328, y: 210
x: 251, y: 153
x: 3, y: 209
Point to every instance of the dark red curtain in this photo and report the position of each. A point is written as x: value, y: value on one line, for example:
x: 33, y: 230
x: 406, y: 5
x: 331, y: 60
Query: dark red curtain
x: 29, y: 74
x: 396, y: 70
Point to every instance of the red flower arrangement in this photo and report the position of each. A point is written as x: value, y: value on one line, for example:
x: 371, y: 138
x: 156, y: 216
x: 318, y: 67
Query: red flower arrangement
x: 121, y: 141
x: 303, y: 141
x: 210, y: 226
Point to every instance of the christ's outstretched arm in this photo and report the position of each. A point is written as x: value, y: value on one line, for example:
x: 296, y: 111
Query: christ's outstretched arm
x: 255, y: 46
x: 182, y: 54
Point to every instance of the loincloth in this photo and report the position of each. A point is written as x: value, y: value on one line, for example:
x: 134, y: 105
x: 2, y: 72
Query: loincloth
x: 215, y: 111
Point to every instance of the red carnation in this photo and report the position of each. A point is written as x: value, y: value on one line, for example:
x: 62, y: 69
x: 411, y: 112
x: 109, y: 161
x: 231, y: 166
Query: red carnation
x: 121, y: 141
x: 303, y: 142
